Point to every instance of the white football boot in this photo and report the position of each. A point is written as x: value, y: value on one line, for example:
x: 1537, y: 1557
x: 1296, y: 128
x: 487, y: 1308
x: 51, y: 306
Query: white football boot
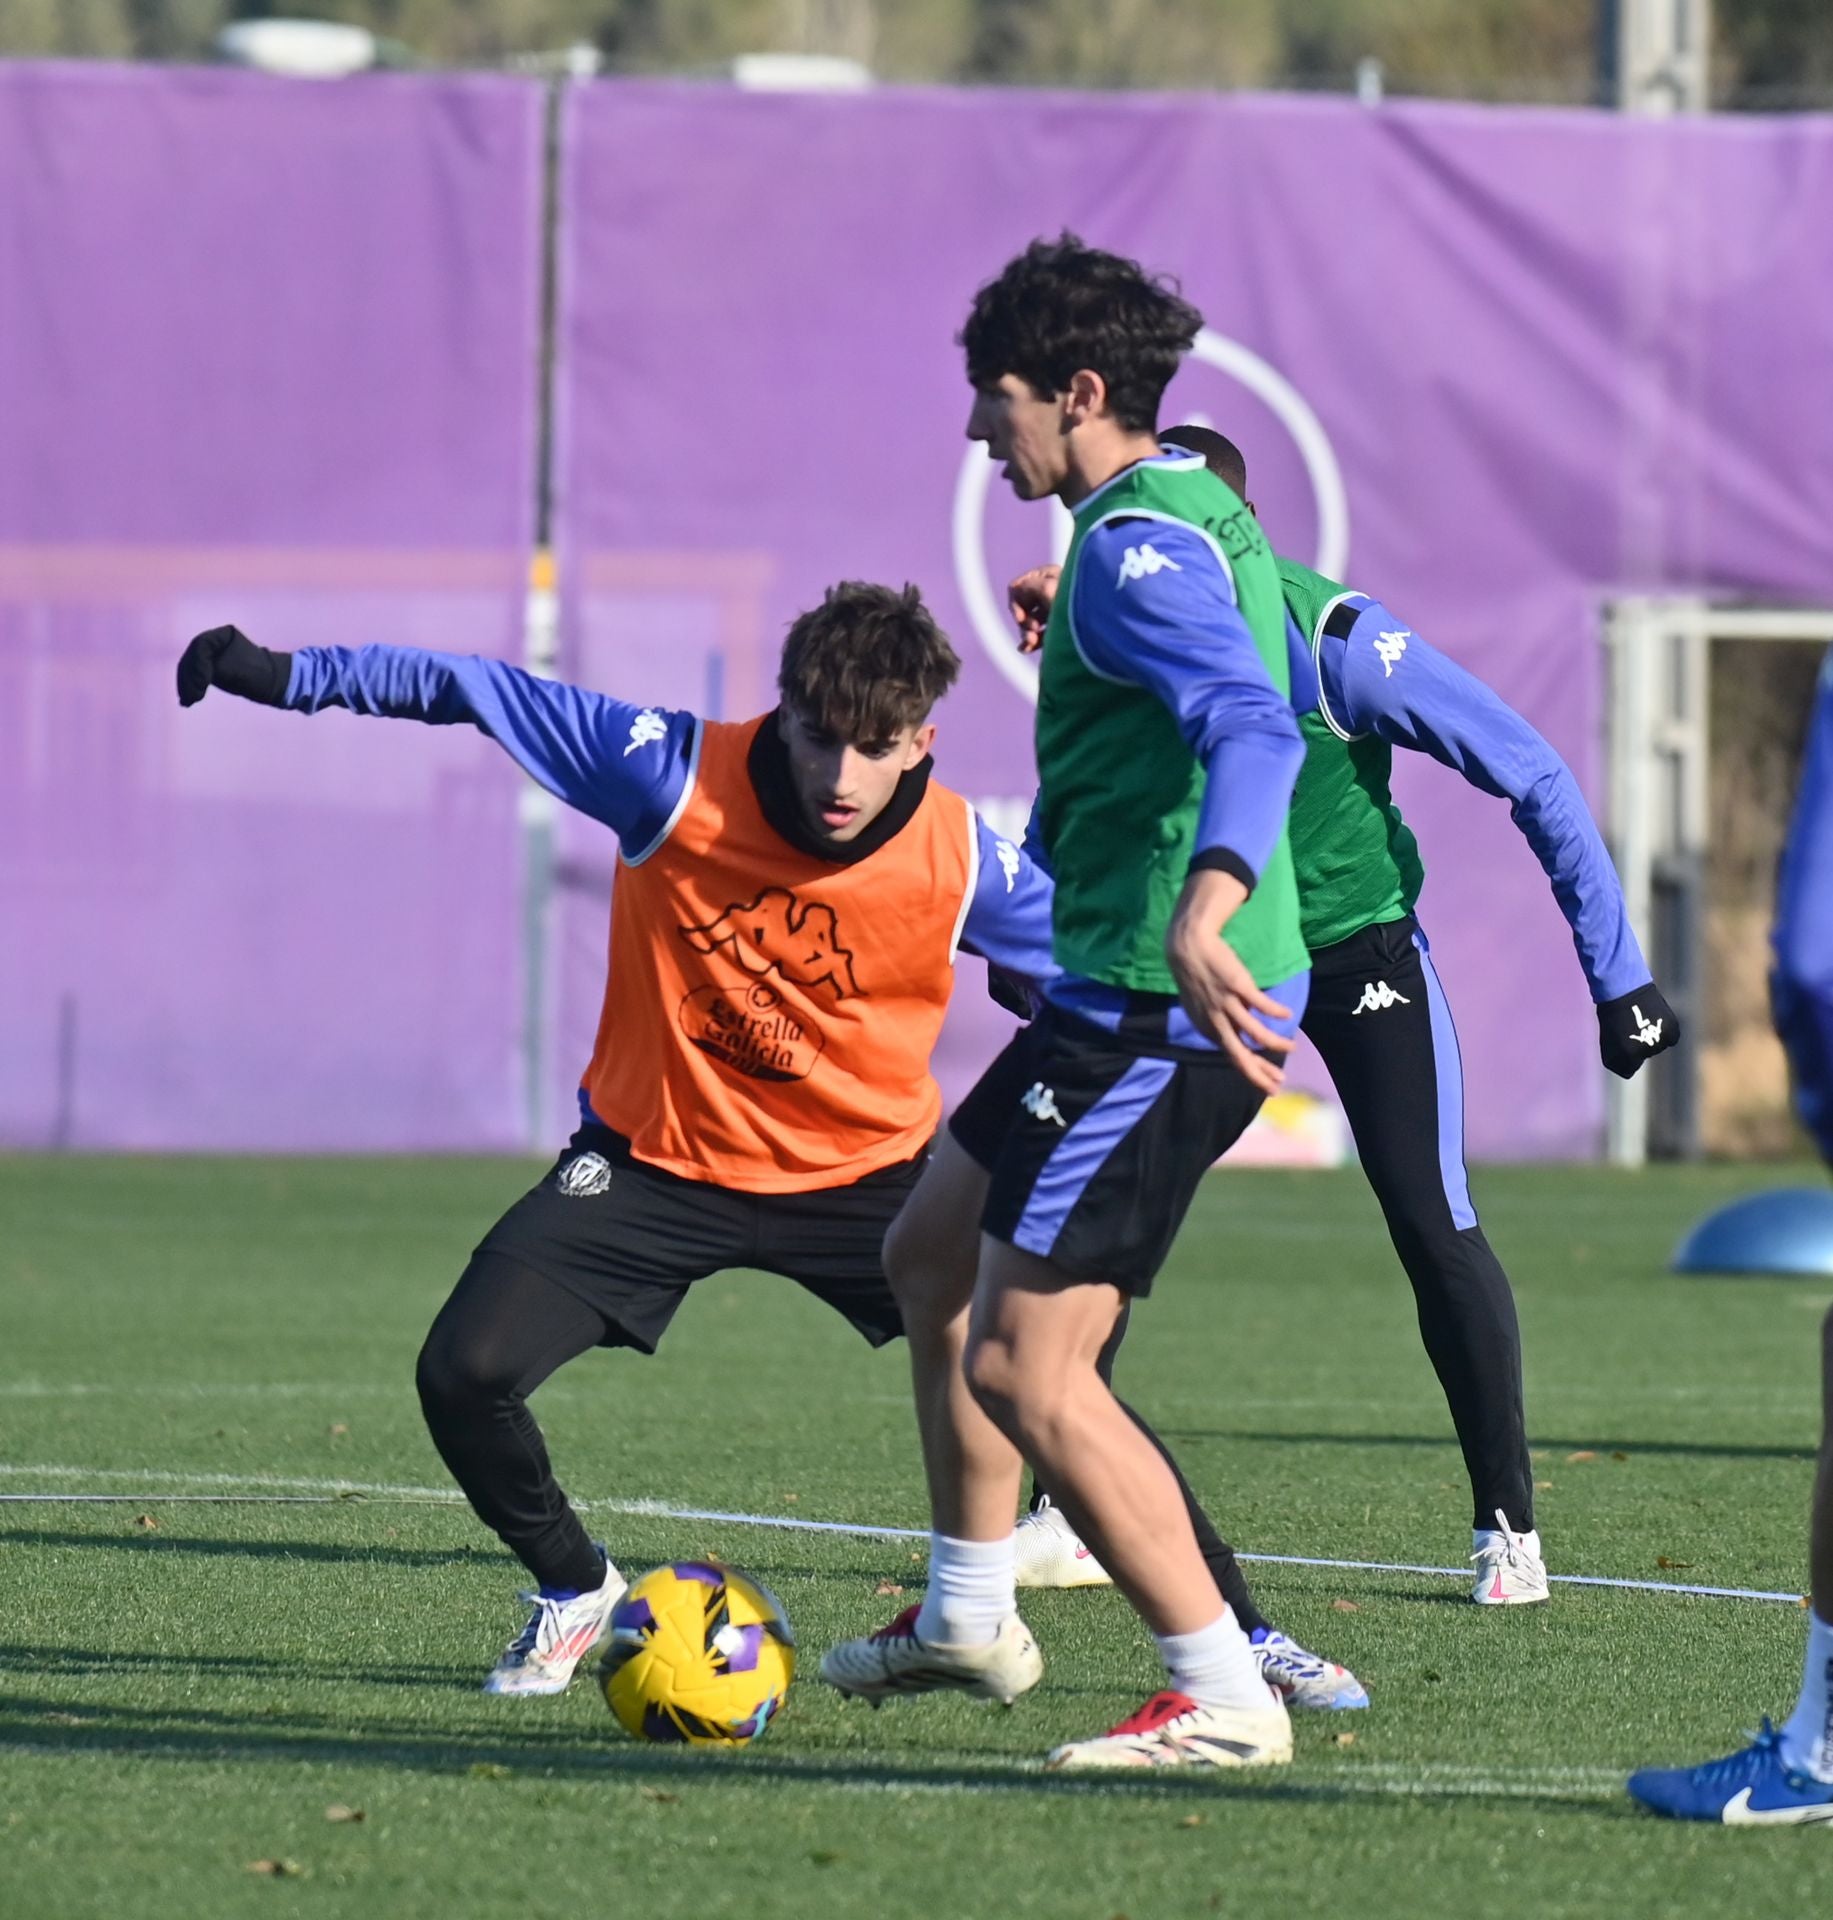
x: 1302, y: 1678
x: 1510, y: 1571
x: 559, y: 1634
x: 1172, y: 1730
x: 893, y: 1660
x: 1048, y: 1552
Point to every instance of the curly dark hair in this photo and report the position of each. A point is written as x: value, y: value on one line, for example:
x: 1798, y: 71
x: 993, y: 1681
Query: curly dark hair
x: 1062, y: 306
x: 867, y: 663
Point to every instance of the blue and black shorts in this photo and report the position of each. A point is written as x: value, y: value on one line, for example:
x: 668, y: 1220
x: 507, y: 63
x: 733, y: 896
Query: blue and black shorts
x: 1096, y: 1143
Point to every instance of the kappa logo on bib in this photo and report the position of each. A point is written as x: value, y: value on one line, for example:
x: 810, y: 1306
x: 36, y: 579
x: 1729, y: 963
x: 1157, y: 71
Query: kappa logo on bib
x: 585, y: 1176
x: 751, y: 1028
x: 776, y: 933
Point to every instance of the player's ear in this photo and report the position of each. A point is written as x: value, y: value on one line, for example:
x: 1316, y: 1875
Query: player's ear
x: 1084, y: 397
x: 922, y: 743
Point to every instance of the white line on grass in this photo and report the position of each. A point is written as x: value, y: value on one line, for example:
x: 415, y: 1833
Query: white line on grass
x: 663, y: 1510
x: 992, y: 1774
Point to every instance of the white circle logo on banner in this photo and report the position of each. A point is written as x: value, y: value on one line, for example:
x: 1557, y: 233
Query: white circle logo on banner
x: 985, y: 602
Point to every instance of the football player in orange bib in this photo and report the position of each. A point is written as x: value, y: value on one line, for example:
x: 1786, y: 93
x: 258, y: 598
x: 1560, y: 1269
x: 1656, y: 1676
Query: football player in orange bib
x: 791, y: 893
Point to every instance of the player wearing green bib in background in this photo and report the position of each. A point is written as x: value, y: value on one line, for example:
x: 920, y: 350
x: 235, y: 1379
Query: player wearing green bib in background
x: 1365, y: 683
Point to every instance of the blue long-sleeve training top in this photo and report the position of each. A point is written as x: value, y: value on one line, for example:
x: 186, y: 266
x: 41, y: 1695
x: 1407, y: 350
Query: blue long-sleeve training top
x: 1801, y: 982
x: 626, y: 766
x: 1379, y: 677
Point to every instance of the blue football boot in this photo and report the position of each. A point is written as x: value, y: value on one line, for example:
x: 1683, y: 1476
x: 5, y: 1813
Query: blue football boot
x: 1754, y: 1787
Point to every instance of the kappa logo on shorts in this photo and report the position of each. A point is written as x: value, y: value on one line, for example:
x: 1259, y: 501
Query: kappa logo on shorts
x: 585, y: 1176
x: 1041, y: 1103
x: 1378, y: 996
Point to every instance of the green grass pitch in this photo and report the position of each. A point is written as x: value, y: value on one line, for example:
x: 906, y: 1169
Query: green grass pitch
x: 186, y: 1689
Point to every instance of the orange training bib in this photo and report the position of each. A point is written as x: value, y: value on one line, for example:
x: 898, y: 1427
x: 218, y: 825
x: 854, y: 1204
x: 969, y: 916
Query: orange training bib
x: 769, y: 1016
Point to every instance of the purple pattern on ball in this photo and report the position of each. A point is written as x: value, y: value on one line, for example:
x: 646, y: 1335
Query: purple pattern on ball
x: 635, y: 1615
x: 658, y: 1726
x: 699, y: 1570
x: 743, y: 1657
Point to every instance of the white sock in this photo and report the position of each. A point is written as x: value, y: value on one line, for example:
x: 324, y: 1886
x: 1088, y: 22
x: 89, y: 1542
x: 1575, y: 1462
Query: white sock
x: 973, y: 1585
x: 1807, y: 1740
x: 1215, y: 1666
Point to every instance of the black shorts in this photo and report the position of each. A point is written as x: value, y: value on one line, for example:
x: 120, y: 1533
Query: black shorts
x: 1095, y: 1146
x: 629, y: 1239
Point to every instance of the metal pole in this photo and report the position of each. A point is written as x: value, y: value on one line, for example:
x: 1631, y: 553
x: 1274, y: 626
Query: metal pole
x: 1654, y: 55
x: 538, y: 810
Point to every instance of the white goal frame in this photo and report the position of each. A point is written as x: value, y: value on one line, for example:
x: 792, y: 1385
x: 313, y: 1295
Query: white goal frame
x: 1658, y: 654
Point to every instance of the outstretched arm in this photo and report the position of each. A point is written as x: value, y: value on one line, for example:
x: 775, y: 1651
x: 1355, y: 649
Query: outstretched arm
x: 1377, y: 676
x: 624, y: 765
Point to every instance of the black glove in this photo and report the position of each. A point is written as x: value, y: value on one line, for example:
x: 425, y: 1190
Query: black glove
x: 1635, y: 1028
x: 225, y: 657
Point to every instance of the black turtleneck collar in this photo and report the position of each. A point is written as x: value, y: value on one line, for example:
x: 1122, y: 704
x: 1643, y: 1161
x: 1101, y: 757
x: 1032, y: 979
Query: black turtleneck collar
x: 775, y: 787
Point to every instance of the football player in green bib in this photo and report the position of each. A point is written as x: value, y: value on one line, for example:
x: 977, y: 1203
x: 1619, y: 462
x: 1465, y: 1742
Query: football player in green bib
x: 1167, y: 748
x: 1364, y: 683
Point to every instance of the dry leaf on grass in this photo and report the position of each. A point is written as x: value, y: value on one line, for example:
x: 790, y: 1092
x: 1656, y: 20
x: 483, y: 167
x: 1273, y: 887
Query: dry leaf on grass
x: 1345, y: 1606
x: 887, y: 1586
x: 1619, y: 1455
x: 1673, y: 1566
x: 146, y: 1523
x: 278, y: 1869
x: 339, y: 1428
x: 340, y: 1815
x: 1584, y: 1453
x: 487, y: 1770
x: 1342, y: 1739
x: 1191, y: 1820
x: 660, y: 1795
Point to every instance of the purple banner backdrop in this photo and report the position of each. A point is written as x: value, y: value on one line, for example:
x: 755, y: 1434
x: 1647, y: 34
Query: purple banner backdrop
x: 1494, y: 367
x: 267, y: 355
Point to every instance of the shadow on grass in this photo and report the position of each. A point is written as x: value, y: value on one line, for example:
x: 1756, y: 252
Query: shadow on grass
x: 90, y: 1663
x: 41, y: 1726
x: 322, y: 1550
x: 1686, y: 1449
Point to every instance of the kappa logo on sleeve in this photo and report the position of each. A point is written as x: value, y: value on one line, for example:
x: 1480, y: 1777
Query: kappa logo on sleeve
x: 1008, y: 861
x: 1392, y: 648
x: 645, y: 730
x: 1140, y: 563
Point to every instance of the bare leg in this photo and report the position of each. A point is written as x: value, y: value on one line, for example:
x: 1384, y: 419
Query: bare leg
x: 930, y: 1257
x: 1035, y: 1336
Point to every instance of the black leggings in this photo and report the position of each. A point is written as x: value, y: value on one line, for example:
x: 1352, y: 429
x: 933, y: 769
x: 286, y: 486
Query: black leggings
x: 1378, y: 1018
x: 503, y: 1331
